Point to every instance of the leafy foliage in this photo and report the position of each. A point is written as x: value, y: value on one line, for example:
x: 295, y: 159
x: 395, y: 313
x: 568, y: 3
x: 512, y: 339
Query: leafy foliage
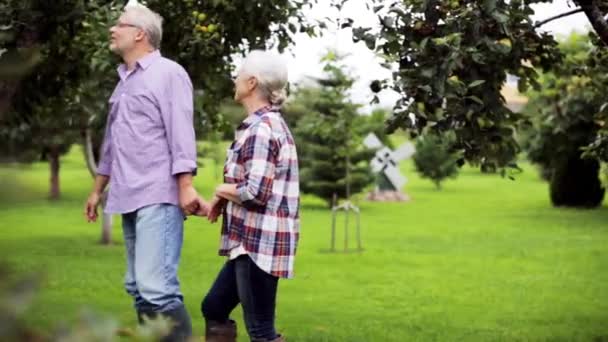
x: 566, y: 117
x: 67, y: 90
x: 450, y: 61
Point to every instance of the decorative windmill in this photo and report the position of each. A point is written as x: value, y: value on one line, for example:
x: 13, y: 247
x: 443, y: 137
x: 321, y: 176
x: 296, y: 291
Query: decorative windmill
x: 385, y: 164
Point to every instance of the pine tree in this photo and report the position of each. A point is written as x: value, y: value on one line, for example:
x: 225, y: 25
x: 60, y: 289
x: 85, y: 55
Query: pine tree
x: 329, y: 137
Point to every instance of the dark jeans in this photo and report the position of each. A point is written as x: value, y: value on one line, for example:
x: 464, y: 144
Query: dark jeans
x: 242, y: 281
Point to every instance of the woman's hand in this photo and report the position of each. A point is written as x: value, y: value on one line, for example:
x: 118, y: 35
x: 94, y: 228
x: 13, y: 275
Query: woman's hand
x: 216, y: 206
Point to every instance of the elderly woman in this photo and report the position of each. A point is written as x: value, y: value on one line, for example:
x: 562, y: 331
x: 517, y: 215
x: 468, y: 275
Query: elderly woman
x: 259, y: 202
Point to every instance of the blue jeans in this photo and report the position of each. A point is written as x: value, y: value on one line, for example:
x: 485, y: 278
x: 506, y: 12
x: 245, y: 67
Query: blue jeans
x: 242, y: 281
x: 153, y: 238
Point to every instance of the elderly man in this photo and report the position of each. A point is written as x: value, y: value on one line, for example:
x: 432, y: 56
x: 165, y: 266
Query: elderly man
x: 149, y: 158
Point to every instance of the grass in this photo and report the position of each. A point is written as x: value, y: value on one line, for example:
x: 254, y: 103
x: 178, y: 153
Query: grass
x: 485, y: 259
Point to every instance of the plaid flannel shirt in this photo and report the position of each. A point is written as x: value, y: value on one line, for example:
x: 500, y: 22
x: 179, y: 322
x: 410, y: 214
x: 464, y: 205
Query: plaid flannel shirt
x: 262, y: 161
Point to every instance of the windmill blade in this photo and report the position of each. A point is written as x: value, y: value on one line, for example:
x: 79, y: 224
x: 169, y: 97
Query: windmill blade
x: 404, y: 151
x: 395, y: 177
x: 371, y: 141
x: 377, y: 164
x: 381, y: 159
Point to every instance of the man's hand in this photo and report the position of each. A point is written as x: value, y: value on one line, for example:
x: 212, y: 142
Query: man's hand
x: 189, y: 200
x: 203, y: 208
x: 90, y: 208
x: 216, y: 207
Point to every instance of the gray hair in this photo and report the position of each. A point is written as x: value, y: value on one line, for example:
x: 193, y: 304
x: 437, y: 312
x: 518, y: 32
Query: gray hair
x: 271, y: 72
x: 149, y: 21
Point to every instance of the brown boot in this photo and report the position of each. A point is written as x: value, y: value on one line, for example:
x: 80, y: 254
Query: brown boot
x: 220, y: 332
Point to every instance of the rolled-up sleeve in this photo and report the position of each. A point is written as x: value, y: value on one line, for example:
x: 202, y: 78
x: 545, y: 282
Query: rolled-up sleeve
x: 177, y: 114
x: 104, y: 167
x: 258, y: 155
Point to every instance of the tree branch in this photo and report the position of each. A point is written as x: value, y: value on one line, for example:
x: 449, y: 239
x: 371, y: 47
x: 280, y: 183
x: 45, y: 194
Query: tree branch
x: 566, y: 14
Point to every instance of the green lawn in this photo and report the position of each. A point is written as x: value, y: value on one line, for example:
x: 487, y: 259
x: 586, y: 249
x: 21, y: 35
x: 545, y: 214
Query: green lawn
x: 486, y: 259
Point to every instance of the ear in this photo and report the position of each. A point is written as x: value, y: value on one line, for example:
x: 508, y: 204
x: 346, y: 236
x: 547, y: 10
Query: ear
x: 140, y: 35
x: 252, y: 82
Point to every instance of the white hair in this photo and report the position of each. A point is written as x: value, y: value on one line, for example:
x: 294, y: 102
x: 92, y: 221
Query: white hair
x: 148, y: 20
x: 271, y: 72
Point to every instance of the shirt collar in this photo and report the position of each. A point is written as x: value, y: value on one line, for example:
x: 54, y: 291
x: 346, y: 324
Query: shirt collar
x: 146, y: 60
x: 143, y: 63
x: 253, y: 118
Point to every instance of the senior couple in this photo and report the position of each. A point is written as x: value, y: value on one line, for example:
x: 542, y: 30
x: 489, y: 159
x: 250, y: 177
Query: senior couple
x: 149, y: 159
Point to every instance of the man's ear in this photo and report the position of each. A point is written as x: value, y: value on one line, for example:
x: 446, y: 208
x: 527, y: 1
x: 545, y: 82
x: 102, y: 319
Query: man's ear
x: 140, y: 36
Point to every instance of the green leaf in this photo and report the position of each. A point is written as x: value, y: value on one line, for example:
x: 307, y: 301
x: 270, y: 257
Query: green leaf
x: 359, y: 33
x: 489, y: 5
x: 476, y: 99
x: 428, y: 72
x: 388, y: 22
x: 423, y: 43
x: 476, y: 83
x: 500, y: 17
x: 425, y: 87
x: 370, y: 41
x: 292, y: 28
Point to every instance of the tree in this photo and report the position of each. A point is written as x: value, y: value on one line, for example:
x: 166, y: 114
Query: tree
x: 60, y: 96
x: 565, y: 121
x: 453, y: 58
x: 67, y: 90
x: 434, y: 158
x: 329, y: 136
x: 39, y: 124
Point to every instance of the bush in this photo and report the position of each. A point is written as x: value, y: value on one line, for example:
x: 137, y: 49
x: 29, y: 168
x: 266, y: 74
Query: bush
x: 434, y: 158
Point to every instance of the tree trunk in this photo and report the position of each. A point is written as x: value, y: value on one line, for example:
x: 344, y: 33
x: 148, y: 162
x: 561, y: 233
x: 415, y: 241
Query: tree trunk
x: 106, y: 223
x: 106, y: 229
x: 596, y: 18
x: 7, y: 91
x: 575, y: 183
x: 437, y: 185
x: 89, y: 155
x: 53, y: 156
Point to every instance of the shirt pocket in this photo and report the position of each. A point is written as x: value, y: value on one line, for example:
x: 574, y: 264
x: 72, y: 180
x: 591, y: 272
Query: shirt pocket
x: 143, y: 110
x: 232, y: 169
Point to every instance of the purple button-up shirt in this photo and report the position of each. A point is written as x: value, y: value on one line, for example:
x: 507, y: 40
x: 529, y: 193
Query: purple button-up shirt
x: 149, y: 136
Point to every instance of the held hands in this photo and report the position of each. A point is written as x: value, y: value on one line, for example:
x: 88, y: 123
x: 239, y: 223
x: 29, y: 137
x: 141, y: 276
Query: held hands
x: 191, y: 203
x: 216, y: 206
